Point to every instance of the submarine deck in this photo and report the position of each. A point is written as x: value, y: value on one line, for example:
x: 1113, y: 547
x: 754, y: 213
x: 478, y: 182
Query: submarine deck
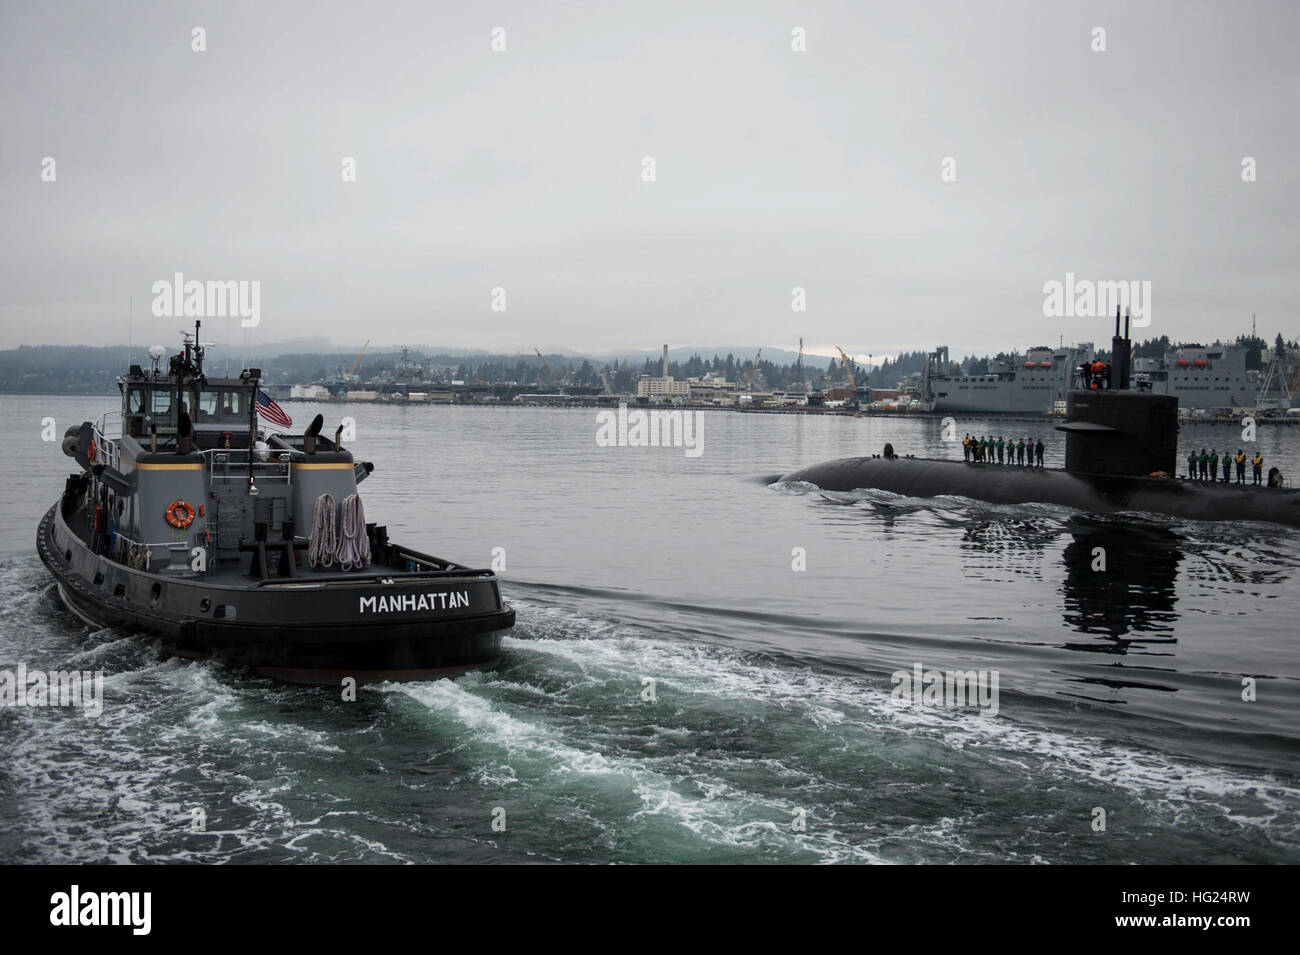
x: 1014, y: 484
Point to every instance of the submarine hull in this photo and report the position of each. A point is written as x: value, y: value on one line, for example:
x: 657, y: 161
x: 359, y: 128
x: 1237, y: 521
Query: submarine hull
x: 1102, y: 493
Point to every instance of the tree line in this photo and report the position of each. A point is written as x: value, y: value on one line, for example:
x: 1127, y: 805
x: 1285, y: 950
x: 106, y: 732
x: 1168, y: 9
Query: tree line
x: 82, y: 369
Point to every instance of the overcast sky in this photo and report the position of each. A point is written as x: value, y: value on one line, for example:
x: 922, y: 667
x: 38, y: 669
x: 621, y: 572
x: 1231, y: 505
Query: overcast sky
x: 774, y: 168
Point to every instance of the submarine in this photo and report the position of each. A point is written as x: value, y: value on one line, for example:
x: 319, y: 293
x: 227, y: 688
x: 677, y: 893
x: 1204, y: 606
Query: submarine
x: 1121, y: 449
x: 189, y: 522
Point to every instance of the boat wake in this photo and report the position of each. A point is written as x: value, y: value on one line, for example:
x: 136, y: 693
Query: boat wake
x: 599, y: 738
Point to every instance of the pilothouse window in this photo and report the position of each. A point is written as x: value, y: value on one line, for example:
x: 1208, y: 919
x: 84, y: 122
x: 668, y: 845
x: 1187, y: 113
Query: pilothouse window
x: 222, y: 403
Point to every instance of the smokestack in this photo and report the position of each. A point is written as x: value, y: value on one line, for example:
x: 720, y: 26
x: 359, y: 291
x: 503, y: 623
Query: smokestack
x: 665, y: 361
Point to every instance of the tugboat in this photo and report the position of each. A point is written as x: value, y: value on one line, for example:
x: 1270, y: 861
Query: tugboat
x: 190, y: 522
x: 1120, y: 455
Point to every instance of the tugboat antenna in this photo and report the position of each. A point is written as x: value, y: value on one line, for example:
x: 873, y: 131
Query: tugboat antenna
x: 198, y: 350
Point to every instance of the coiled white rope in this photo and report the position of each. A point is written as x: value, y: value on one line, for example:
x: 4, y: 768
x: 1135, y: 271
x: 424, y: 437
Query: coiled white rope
x: 322, y: 543
x: 354, y: 544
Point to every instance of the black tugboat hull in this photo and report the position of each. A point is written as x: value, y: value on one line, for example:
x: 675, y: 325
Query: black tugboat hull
x: 370, y: 629
x: 414, y: 651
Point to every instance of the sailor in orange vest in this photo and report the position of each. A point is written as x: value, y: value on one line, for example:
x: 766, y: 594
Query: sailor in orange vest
x: 965, y: 448
x: 1241, y: 466
x: 1257, y: 462
x: 1098, y: 375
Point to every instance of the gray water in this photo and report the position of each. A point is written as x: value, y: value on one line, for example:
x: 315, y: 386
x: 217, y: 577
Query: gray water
x: 1119, y: 690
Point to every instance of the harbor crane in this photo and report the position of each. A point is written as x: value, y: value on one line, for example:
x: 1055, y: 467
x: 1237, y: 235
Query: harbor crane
x: 1279, y: 385
x: 550, y: 374
x: 356, y: 361
x: 847, y: 364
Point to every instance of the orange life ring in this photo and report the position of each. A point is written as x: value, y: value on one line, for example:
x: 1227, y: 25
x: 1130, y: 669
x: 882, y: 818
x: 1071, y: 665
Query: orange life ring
x: 179, y: 514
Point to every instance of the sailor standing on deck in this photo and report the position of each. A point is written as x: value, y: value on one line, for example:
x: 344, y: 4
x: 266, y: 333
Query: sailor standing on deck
x: 1191, y: 465
x: 1001, y: 445
x: 1038, y: 452
x: 965, y: 447
x: 1227, y: 467
x: 1257, y: 462
x: 1020, y: 452
x: 1214, y: 465
x: 1204, y: 461
x: 1241, y: 466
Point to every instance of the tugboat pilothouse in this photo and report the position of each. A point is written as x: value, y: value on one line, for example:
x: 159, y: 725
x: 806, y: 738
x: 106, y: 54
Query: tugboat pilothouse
x: 189, y: 522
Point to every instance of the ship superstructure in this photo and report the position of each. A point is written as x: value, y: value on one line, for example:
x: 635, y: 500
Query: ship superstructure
x: 1200, y: 376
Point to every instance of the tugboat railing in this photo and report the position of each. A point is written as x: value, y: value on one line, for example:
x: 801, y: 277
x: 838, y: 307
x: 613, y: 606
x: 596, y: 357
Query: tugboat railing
x: 231, y: 464
x: 119, y: 552
x: 379, y: 577
x: 105, y: 442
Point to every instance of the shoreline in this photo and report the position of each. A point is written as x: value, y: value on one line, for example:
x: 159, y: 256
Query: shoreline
x: 613, y: 401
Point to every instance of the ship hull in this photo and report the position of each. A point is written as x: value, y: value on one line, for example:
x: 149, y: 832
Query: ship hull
x: 368, y: 628
x: 995, y: 399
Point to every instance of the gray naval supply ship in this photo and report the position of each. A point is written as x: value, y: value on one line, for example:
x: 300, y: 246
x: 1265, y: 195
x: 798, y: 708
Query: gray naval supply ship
x: 189, y: 522
x: 1120, y: 455
x: 1198, y: 376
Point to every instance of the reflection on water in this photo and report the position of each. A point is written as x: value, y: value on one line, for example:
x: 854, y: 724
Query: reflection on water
x: 1120, y: 582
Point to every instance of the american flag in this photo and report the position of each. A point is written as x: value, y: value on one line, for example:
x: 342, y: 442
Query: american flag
x: 269, y: 409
